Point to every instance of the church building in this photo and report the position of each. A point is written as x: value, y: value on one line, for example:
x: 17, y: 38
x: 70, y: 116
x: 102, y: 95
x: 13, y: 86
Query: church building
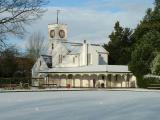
x: 77, y: 65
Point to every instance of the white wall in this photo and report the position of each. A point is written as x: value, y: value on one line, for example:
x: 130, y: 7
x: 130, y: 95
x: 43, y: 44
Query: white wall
x: 103, y: 59
x: 94, y: 55
x: 68, y: 61
x: 59, y: 49
x: 83, y: 55
x: 36, y: 68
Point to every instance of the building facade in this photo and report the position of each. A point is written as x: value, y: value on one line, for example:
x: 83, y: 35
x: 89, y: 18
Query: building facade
x: 77, y: 65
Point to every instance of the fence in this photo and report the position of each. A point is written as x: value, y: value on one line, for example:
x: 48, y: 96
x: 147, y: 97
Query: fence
x: 14, y: 82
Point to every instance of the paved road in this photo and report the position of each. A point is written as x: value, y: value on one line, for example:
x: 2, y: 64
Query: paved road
x: 80, y: 105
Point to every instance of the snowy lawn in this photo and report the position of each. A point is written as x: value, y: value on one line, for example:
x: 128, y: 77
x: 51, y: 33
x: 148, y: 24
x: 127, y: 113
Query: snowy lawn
x: 80, y: 105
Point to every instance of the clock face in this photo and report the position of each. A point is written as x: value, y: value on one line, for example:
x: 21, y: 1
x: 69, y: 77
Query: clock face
x: 52, y: 33
x: 61, y: 33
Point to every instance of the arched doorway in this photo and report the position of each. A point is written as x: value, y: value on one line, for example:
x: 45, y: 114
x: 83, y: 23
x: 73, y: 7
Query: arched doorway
x: 77, y: 79
x: 63, y: 79
x: 101, y: 81
x: 69, y: 82
x: 118, y: 80
x: 56, y: 81
x: 93, y: 80
x: 109, y: 81
x: 85, y: 80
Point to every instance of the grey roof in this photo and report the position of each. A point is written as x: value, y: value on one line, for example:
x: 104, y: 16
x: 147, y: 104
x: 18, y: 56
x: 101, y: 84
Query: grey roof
x: 76, y: 50
x: 48, y: 60
x: 66, y: 45
x: 99, y: 48
x: 98, y: 68
x: 73, y: 48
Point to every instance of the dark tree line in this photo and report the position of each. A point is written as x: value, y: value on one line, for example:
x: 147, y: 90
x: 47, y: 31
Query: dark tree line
x: 13, y: 64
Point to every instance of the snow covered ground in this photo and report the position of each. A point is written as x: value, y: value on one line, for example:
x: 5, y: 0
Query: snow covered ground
x: 80, y: 105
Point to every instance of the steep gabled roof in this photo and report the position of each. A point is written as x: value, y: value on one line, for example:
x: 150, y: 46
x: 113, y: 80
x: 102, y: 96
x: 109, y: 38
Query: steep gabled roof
x: 99, y: 48
x: 48, y: 60
x: 66, y: 45
x: 73, y: 48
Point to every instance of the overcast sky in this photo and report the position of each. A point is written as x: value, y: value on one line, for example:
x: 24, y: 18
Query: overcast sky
x: 92, y: 20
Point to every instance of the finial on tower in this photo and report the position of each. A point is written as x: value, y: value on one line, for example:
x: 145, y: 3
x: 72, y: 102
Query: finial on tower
x: 58, y: 11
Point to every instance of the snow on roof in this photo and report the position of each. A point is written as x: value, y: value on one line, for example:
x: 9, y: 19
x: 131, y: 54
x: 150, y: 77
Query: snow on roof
x: 67, y: 45
x: 74, y: 48
x: 117, y: 68
x: 99, y: 48
x: 98, y: 68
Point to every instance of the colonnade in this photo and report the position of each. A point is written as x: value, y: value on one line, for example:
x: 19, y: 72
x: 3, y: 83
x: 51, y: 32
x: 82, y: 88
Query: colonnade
x: 89, y: 80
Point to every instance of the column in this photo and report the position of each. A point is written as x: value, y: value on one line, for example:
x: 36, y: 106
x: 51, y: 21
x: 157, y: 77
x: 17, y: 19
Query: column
x: 66, y: 80
x: 48, y: 81
x: 106, y: 78
x: 73, y: 82
x: 106, y: 82
x: 59, y: 80
x: 114, y: 80
x: 110, y: 79
x: 128, y: 79
x: 81, y: 82
x: 121, y: 80
x: 38, y: 82
x: 89, y: 83
x: 125, y: 78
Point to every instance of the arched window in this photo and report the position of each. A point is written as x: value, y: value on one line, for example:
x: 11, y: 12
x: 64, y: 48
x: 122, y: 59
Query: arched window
x: 70, y: 76
x: 40, y: 63
x: 60, y: 58
x: 73, y: 59
x: 52, y: 46
x: 109, y: 77
x: 103, y: 77
x: 116, y: 77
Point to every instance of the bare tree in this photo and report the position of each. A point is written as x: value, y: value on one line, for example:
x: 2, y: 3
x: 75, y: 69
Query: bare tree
x: 36, y: 45
x: 14, y: 14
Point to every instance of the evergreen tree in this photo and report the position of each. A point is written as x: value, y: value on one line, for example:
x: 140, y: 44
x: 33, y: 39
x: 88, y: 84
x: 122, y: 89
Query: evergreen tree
x: 144, y: 53
x: 155, y: 65
x: 119, y: 45
x: 147, y: 43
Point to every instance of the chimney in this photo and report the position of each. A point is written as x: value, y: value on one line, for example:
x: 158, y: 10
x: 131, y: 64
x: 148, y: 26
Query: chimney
x: 85, y: 50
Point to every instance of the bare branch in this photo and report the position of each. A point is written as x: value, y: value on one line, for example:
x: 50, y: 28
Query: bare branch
x: 36, y: 45
x: 15, y: 14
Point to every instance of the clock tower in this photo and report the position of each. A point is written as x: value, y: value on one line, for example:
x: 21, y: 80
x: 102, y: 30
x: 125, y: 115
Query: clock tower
x: 56, y: 33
